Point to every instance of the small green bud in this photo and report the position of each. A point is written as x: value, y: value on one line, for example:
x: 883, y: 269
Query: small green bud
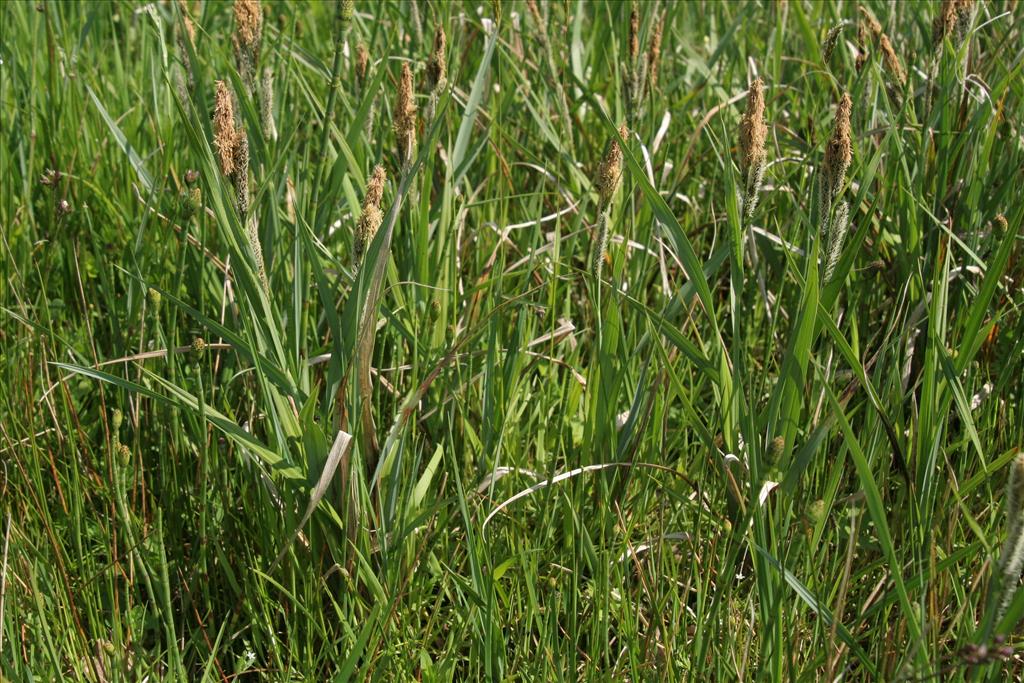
x: 816, y: 511
x: 154, y: 298
x: 198, y: 346
x: 346, y: 8
x: 116, y: 418
x: 124, y: 454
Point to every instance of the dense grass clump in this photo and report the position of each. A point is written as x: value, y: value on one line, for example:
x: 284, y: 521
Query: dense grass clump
x: 521, y: 340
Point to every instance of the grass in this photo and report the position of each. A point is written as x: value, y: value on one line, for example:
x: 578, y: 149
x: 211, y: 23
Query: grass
x: 748, y: 444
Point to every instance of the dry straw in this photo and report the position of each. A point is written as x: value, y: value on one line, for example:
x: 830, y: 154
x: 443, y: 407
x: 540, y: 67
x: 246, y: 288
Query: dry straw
x: 371, y: 217
x: 405, y: 117
x: 753, y: 134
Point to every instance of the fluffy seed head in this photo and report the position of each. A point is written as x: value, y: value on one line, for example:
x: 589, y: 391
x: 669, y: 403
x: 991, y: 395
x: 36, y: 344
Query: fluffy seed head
x: 753, y: 131
x: 224, y: 128
x: 609, y: 173
x: 248, y: 22
x: 371, y: 217
x: 839, y: 151
x: 375, y: 187
x: 437, y: 65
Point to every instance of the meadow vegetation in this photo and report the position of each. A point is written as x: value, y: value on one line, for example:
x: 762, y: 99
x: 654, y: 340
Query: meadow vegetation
x: 512, y: 340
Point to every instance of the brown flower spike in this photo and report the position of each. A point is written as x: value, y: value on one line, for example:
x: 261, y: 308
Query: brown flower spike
x: 839, y: 151
x: 224, y: 128
x: 362, y: 64
x: 405, y: 116
x: 654, y: 53
x: 248, y: 22
x: 753, y: 131
x: 437, y: 65
x: 634, y: 34
x: 892, y: 62
x: 609, y: 173
x: 371, y: 217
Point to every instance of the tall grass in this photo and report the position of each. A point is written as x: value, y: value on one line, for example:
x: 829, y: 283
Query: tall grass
x: 331, y: 351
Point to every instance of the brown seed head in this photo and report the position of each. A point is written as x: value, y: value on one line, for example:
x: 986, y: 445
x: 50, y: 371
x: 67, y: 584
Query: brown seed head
x: 634, y: 34
x: 437, y: 65
x: 1001, y: 225
x: 240, y: 176
x: 654, y: 53
x: 375, y: 187
x: 248, y: 22
x: 190, y: 28
x: 609, y: 173
x: 869, y: 21
x: 224, y: 128
x: 964, y: 13
x: 405, y: 115
x: 831, y: 40
x: 839, y: 151
x: 944, y: 21
x: 371, y: 217
x: 892, y: 62
x: 531, y: 5
x: 753, y: 131
x: 362, y: 64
